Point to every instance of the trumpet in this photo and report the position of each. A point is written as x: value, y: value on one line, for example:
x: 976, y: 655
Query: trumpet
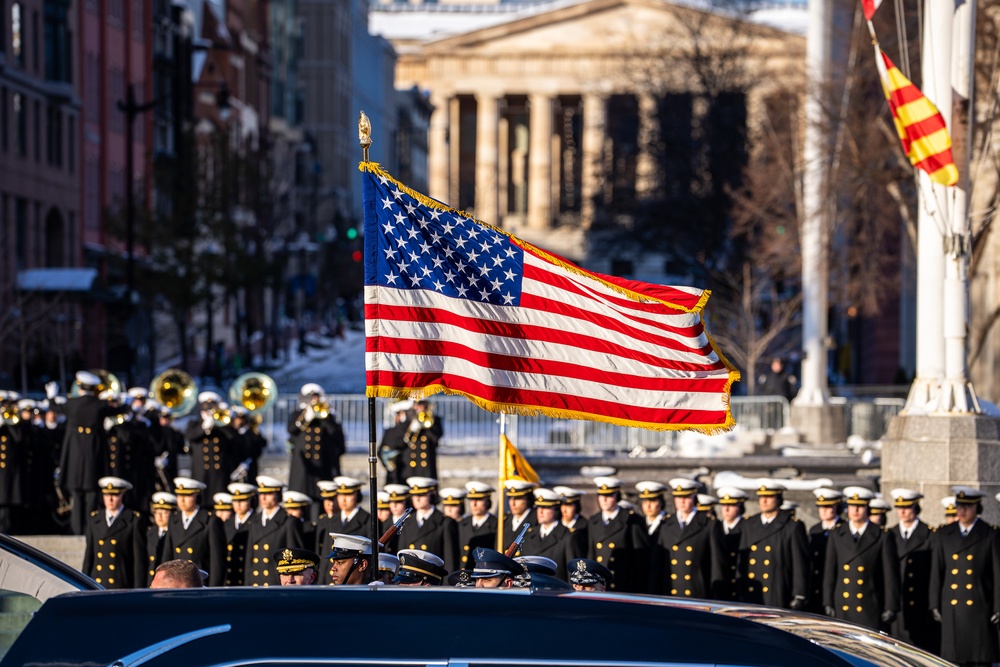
x: 221, y: 416
x: 426, y: 418
x: 9, y: 414
x: 322, y: 409
x: 175, y: 390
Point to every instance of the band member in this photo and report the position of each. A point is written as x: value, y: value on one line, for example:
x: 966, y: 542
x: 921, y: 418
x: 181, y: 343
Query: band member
x: 493, y: 569
x: 419, y: 568
x: 520, y: 500
x: 115, y: 555
x: 251, y: 443
x: 15, y: 485
x: 588, y: 575
x: 618, y: 538
x: 964, y: 590
x: 394, y: 442
x: 163, y: 505
x: 861, y: 579
x: 84, y: 453
x: 687, y: 542
x: 427, y: 529
x: 479, y: 527
x: 726, y: 573
x: 196, y: 535
x: 914, y: 548
x: 421, y: 439
x: 453, y: 503
x: 550, y: 538
x: 777, y: 553
x: 137, y: 450
x: 653, y: 507
x: 270, y: 527
x: 829, y: 506
x: 169, y: 445
x: 317, y: 441
x: 237, y: 531
x: 350, y: 560
x: 214, y: 450
x: 295, y: 566
x: 705, y: 503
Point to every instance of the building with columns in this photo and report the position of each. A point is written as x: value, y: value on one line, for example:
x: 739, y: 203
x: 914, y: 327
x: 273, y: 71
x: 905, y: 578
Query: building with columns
x: 545, y: 112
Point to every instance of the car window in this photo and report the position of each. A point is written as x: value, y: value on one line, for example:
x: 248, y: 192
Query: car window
x: 16, y: 610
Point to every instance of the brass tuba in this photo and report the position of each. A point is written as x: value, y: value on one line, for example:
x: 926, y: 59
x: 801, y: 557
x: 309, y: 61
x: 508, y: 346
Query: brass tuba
x: 175, y: 390
x: 254, y: 391
x: 109, y: 382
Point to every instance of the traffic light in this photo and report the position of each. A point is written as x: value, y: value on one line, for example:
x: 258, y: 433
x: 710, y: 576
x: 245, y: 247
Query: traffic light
x: 357, y: 255
x: 352, y: 233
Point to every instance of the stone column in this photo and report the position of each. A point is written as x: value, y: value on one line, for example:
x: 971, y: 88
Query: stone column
x: 486, y: 158
x: 649, y: 130
x: 454, y: 148
x: 540, y: 162
x: 437, y: 149
x: 594, y: 122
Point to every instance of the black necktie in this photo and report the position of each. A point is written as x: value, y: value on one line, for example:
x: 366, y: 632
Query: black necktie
x: 856, y: 536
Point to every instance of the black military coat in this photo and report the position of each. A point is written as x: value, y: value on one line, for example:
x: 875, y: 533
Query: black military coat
x: 236, y: 548
x: 578, y: 527
x: 14, y: 482
x: 419, y: 453
x: 682, y: 559
x: 154, y: 554
x: 914, y: 623
x: 726, y: 572
x: 41, y: 465
x: 203, y: 543
x: 317, y: 446
x: 776, y: 560
x: 214, y: 455
x: 359, y: 524
x: 281, y: 531
x: 471, y: 538
x: 168, y: 441
x: 818, y: 537
x: 115, y: 555
x: 623, y: 547
x: 860, y: 578
x: 83, y: 458
x: 558, y: 545
x: 130, y: 456
x: 965, y: 573
x: 438, y: 535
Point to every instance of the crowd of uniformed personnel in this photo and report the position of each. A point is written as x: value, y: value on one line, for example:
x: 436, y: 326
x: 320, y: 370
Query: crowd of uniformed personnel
x: 115, y: 460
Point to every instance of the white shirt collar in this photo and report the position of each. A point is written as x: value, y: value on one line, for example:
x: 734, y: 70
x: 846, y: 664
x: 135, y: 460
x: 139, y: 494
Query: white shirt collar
x: 186, y: 519
x: 610, y: 516
x: 111, y: 516
x: 265, y: 517
x: 344, y: 518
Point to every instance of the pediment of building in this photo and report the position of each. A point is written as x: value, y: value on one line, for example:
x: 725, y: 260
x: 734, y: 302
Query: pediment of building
x: 608, y: 27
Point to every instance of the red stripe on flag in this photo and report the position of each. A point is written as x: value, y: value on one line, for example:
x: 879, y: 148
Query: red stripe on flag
x: 582, y: 406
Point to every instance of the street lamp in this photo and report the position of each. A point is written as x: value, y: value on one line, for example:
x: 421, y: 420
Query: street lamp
x: 131, y: 109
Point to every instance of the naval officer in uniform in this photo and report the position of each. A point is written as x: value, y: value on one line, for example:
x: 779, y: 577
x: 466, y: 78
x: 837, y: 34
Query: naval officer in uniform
x: 618, y: 539
x: 115, y: 556
x: 194, y: 534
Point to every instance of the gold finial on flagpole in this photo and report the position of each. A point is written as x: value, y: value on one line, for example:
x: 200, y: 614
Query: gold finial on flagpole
x: 364, y: 133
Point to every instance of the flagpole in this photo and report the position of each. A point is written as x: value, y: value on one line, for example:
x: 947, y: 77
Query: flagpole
x: 500, y: 479
x: 365, y: 139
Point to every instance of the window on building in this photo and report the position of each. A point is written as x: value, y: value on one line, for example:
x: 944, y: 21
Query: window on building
x: 54, y: 137
x: 36, y: 122
x: 4, y: 119
x: 58, y: 42
x: 21, y: 125
x: 16, y: 33
x: 20, y: 230
x: 71, y: 145
x: 34, y: 41
x: 55, y: 239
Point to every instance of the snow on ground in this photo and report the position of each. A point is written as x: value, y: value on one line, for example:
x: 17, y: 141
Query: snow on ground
x: 336, y: 364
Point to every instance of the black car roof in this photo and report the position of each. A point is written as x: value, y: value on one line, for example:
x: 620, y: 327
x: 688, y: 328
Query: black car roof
x: 395, y: 624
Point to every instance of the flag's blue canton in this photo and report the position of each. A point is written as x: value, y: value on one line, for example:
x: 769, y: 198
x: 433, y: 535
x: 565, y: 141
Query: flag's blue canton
x: 425, y: 248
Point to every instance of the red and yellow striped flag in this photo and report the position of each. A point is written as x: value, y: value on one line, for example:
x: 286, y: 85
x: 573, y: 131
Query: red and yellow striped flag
x: 919, y: 124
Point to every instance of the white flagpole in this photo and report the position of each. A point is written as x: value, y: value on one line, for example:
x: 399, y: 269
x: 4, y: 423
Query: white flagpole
x: 501, y: 473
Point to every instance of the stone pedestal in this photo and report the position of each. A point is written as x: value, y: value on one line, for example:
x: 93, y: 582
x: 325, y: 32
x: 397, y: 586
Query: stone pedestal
x: 930, y: 453
x: 819, y: 424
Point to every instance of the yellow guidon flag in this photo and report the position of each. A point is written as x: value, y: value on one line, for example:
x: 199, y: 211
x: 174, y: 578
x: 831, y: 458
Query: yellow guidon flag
x: 919, y: 124
x: 515, y: 465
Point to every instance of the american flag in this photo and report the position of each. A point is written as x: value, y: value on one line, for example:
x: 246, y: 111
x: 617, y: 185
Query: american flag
x: 453, y: 304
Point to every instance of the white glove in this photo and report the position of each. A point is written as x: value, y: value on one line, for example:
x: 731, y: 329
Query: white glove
x: 51, y: 389
x: 309, y: 415
x: 207, y: 422
x: 110, y: 423
x: 240, y: 473
x: 161, y: 461
x: 415, y: 426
